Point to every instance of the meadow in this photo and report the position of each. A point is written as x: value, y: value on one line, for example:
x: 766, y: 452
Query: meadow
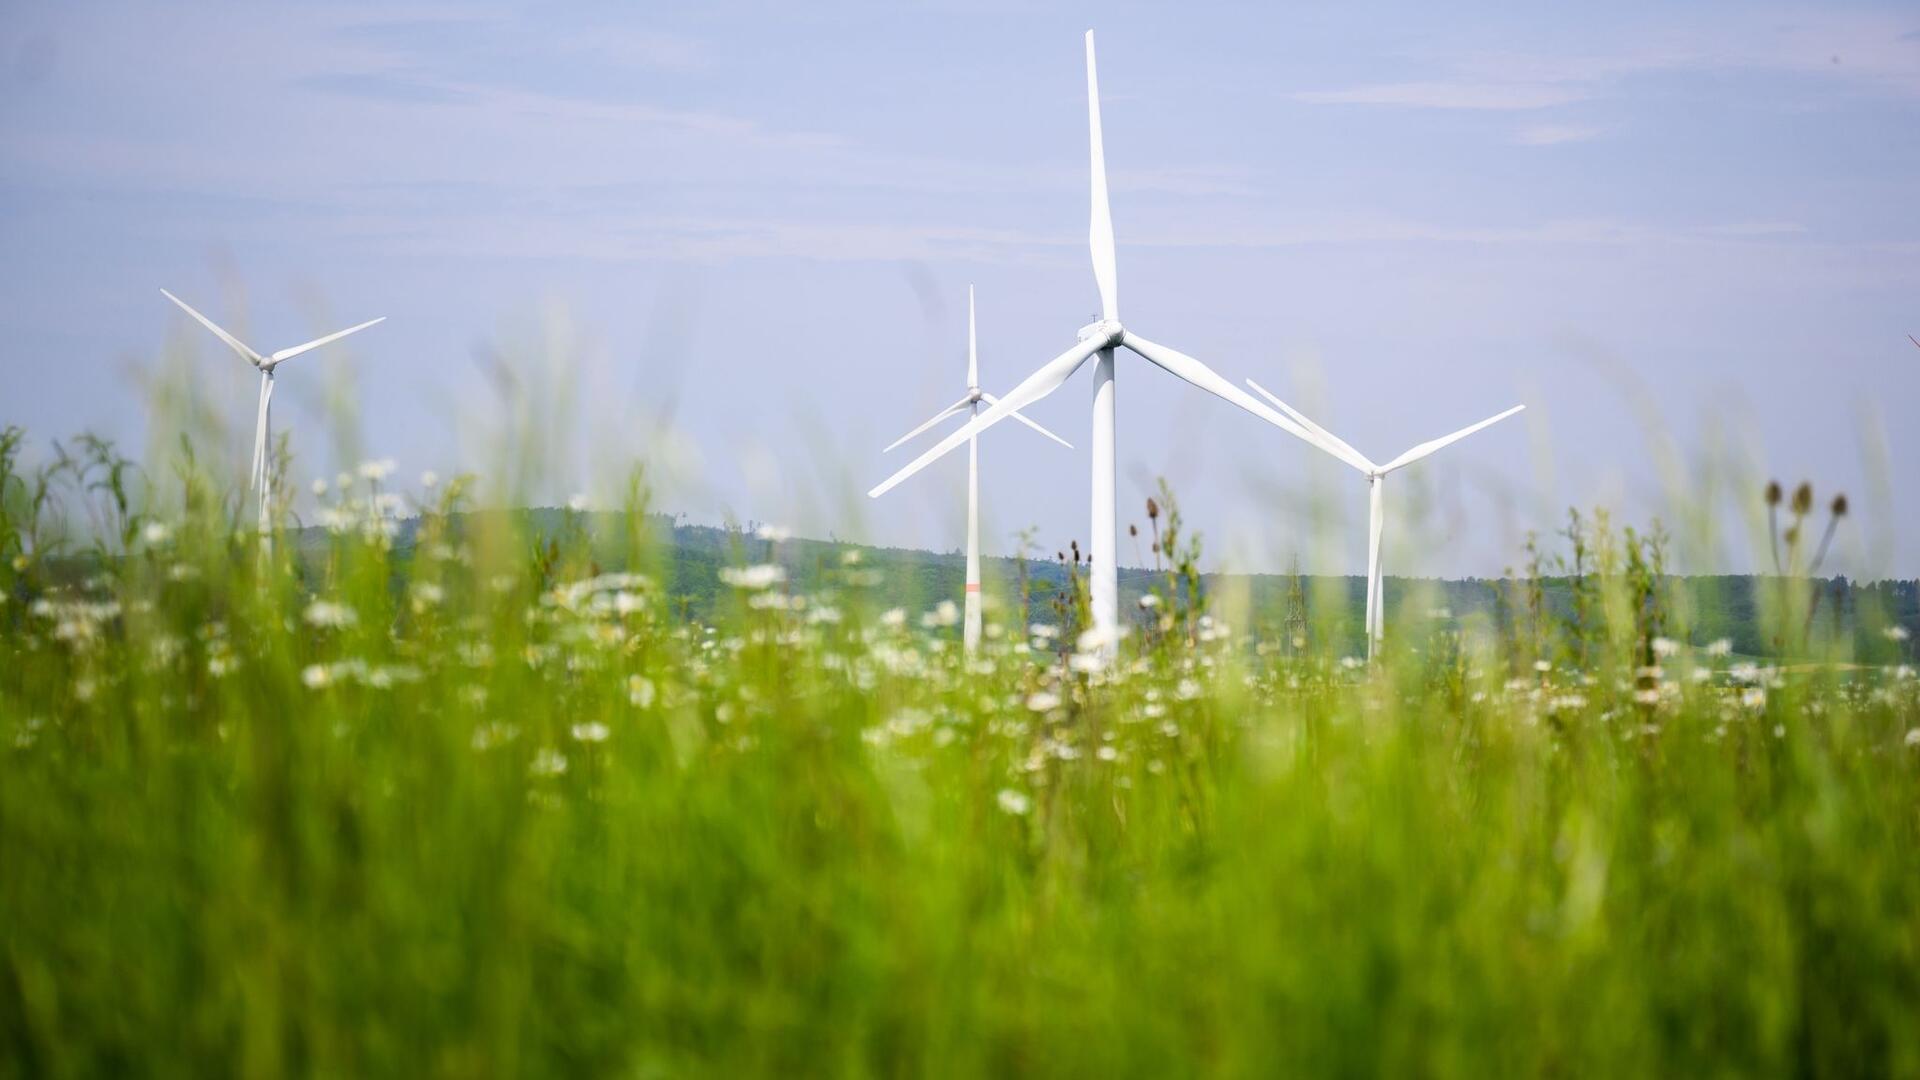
x: 495, y: 801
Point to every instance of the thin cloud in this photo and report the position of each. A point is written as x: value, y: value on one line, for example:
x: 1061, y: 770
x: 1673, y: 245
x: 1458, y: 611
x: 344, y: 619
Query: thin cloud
x: 1555, y: 134
x: 1449, y: 95
x: 1869, y: 51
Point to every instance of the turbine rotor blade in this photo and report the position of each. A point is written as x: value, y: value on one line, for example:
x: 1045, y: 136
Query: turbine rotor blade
x: 1106, y: 273
x: 1022, y: 417
x: 288, y: 354
x: 1331, y: 443
x: 1036, y: 386
x: 1431, y: 445
x: 973, y: 351
x: 1204, y: 377
x: 937, y: 417
x: 234, y: 343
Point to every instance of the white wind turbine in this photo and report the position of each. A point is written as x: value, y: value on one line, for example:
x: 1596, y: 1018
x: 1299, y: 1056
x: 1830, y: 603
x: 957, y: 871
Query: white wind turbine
x: 260, y: 476
x: 970, y: 404
x: 1099, y: 338
x: 1376, y: 510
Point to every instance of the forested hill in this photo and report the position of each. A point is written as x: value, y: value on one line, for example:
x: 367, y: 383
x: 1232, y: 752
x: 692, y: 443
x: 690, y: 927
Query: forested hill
x: 1722, y: 606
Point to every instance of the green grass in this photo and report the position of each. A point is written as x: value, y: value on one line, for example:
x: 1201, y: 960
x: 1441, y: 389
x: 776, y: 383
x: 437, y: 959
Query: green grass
x: 491, y: 812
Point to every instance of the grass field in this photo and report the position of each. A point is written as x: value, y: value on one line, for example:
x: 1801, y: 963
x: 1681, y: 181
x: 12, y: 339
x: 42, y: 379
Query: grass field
x: 498, y: 810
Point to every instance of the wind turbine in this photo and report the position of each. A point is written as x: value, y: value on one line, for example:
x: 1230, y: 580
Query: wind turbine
x: 1376, y: 510
x: 970, y: 404
x: 1099, y: 338
x: 260, y: 475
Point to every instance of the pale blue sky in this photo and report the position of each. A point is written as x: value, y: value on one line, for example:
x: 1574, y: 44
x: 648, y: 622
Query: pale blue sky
x: 762, y: 221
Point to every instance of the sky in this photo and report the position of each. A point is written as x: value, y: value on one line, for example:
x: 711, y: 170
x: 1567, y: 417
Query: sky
x: 734, y: 242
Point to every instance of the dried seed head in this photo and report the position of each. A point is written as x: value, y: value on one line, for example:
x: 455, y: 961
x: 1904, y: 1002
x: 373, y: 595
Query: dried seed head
x: 1133, y: 530
x: 1773, y: 493
x: 1153, y: 509
x: 1803, y: 498
x: 1840, y: 505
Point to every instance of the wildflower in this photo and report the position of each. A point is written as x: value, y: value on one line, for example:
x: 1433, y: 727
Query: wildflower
x: 429, y: 480
x: 1665, y: 647
x: 591, y: 732
x: 427, y: 594
x: 316, y: 676
x: 1013, y: 802
x: 894, y: 618
x: 1720, y: 647
x: 640, y: 690
x: 326, y: 613
x: 376, y: 471
x: 156, y: 533
x: 1149, y: 601
x: 1913, y: 736
x: 945, y: 613
x: 548, y: 762
x: 774, y: 534
x: 1099, y: 639
x: 1648, y: 696
x: 850, y: 557
x: 1188, y: 690
x: 1754, y: 697
x: 1896, y: 633
x: 1542, y: 666
x: 764, y: 576
x: 1107, y: 753
x: 1043, y: 700
x: 318, y: 487
x: 492, y: 734
x: 577, y: 502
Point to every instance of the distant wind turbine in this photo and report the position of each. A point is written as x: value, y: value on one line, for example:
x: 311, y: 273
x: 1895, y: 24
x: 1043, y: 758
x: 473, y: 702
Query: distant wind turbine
x: 1376, y: 510
x: 260, y: 476
x: 970, y: 404
x: 1099, y: 338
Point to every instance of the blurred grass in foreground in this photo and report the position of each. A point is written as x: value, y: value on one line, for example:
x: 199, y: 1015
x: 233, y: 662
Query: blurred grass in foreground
x: 491, y: 805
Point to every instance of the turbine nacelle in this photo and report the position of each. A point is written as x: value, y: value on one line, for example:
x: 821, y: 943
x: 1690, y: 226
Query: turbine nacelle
x: 1106, y: 331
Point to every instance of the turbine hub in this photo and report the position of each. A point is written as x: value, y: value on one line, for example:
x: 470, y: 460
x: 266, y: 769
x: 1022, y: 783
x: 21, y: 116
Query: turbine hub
x: 1105, y: 330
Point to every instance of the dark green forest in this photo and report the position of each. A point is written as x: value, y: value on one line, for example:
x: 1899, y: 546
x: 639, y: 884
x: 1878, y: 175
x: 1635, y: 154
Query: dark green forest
x: 1324, y: 611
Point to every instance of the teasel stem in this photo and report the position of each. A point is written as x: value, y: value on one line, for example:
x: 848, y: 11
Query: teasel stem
x: 1833, y: 525
x: 1773, y: 524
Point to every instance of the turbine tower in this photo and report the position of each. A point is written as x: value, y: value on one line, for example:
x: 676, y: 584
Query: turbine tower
x: 1376, y: 510
x: 970, y: 404
x: 1100, y: 338
x: 260, y: 475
